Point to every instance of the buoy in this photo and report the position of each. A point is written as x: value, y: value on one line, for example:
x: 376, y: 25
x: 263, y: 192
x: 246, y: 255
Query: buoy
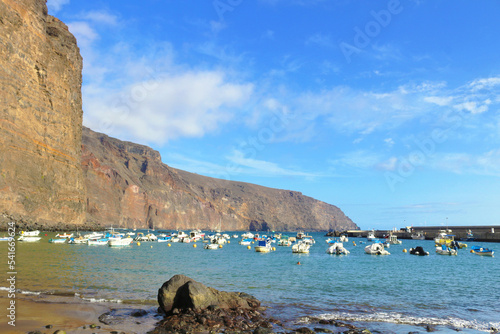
x: 138, y: 243
x: 404, y: 250
x: 229, y: 241
x: 354, y: 243
x: 194, y: 246
x: 169, y: 245
x: 151, y: 246
x: 253, y: 242
x: 274, y: 248
x: 249, y: 247
x: 220, y: 246
x: 299, y: 263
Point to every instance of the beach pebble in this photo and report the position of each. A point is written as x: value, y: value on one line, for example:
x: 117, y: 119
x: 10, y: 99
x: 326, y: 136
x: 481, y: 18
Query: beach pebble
x: 48, y: 326
x: 139, y: 313
x: 322, y: 330
x: 262, y: 330
x: 304, y: 330
x: 59, y: 331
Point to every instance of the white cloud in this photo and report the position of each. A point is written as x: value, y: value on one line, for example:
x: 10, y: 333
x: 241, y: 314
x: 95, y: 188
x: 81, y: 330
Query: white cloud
x: 473, y: 107
x: 190, y: 104
x: 486, y: 163
x: 84, y: 33
x: 55, y: 5
x: 439, y: 100
x: 101, y: 17
x: 484, y: 83
x: 388, y: 165
x: 359, y: 159
x: 247, y: 165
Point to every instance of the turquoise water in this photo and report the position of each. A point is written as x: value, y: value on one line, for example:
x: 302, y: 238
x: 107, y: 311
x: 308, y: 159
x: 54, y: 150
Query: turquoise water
x: 392, y: 294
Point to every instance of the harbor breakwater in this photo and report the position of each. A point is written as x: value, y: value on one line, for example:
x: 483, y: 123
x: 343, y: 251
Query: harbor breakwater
x: 487, y: 233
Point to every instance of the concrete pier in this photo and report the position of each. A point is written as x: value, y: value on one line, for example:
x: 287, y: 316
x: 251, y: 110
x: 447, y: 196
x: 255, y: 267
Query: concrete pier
x: 490, y: 233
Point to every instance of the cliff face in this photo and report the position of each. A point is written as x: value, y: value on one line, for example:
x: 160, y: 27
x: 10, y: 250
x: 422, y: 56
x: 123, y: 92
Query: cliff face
x: 129, y: 186
x: 41, y: 179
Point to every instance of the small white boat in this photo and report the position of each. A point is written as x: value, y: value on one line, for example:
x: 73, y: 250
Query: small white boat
x: 29, y: 233
x: 264, y: 246
x: 301, y: 247
x: 28, y: 238
x: 58, y: 241
x: 247, y: 235
x: 235, y: 236
x: 94, y: 235
x: 64, y: 235
x: 338, y: 249
x: 285, y: 241
x: 446, y: 250
x: 97, y: 242
x: 376, y: 249
x: 117, y: 242
x: 78, y: 240
x: 344, y: 238
x: 371, y: 236
x: 196, y: 235
x: 245, y: 242
x: 418, y: 236
x: 211, y: 246
x: 393, y: 240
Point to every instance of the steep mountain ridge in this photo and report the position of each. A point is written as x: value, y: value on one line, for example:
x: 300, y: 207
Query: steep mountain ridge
x: 129, y: 186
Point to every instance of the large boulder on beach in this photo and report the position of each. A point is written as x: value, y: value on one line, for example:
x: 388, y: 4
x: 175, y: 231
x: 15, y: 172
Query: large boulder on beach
x: 182, y: 293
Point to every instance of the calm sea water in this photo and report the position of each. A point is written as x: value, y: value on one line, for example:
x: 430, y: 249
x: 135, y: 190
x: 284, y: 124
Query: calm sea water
x: 392, y: 294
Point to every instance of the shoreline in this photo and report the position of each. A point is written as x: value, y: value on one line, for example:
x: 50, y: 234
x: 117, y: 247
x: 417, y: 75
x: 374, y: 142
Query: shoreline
x: 35, y: 313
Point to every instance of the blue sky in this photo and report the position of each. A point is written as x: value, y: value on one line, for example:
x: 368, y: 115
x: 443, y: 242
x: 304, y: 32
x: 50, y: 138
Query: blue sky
x: 387, y: 109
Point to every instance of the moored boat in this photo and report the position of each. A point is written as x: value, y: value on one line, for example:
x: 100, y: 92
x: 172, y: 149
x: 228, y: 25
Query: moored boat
x: 29, y: 233
x: 418, y: 236
x: 376, y: 249
x: 78, y: 240
x: 418, y: 251
x: 481, y: 251
x: 371, y: 236
x: 263, y: 246
x: 301, y: 247
x: 211, y: 246
x: 446, y: 250
x: 28, y: 238
x: 64, y: 235
x: 58, y: 240
x: 338, y: 249
x: 393, y: 240
x: 117, y: 242
x: 97, y: 242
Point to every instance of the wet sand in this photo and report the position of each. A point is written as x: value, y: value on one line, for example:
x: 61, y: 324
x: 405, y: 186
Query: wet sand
x: 35, y: 313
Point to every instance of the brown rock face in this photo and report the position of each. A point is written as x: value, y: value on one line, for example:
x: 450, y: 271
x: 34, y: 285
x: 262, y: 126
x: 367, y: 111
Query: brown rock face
x: 129, y: 186
x: 41, y: 179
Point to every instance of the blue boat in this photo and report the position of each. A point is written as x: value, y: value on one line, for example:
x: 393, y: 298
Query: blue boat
x: 481, y: 251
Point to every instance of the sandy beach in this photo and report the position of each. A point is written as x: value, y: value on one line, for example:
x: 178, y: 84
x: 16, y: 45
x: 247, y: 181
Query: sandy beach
x: 62, y: 313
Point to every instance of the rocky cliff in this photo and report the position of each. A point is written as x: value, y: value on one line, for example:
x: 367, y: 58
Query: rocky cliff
x: 129, y: 186
x: 41, y: 179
